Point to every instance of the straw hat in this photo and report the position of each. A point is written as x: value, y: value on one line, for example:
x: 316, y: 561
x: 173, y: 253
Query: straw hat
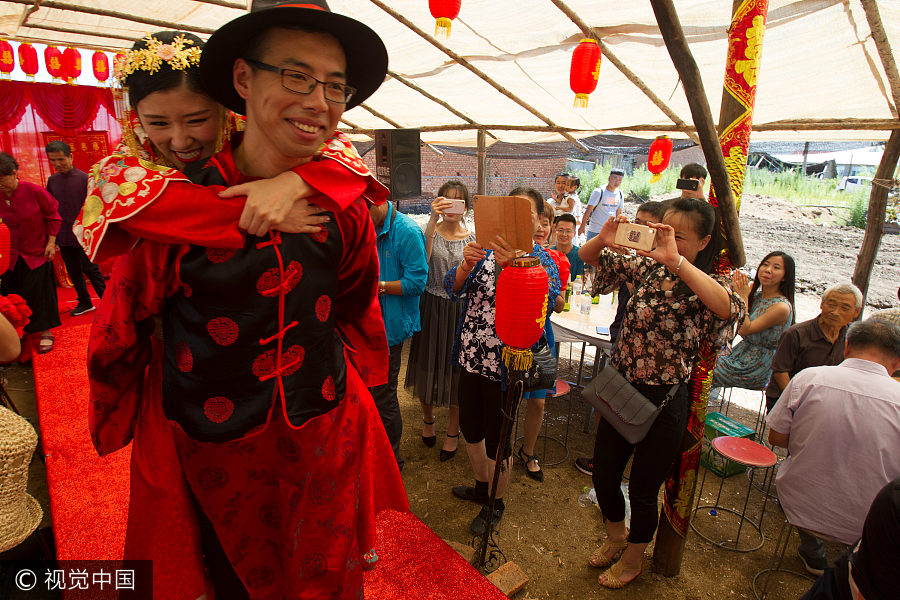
x: 20, y: 514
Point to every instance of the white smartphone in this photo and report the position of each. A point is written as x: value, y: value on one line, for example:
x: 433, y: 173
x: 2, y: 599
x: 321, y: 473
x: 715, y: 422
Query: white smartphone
x: 457, y: 207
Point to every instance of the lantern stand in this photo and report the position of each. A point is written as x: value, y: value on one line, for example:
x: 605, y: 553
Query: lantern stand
x: 520, y: 321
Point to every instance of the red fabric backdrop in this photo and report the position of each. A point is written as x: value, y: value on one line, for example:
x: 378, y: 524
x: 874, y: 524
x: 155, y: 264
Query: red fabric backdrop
x: 29, y: 110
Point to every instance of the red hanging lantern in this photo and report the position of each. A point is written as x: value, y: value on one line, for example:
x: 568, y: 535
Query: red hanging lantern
x: 5, y: 247
x: 562, y: 264
x: 444, y: 11
x: 7, y: 59
x: 54, y: 62
x: 28, y: 60
x: 101, y: 66
x: 585, y: 70
x: 521, y: 309
x: 658, y: 158
x: 72, y: 63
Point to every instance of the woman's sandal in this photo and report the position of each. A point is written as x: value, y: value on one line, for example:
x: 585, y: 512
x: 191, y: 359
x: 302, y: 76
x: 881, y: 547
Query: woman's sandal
x: 526, y: 458
x: 602, y: 558
x: 46, y: 343
x: 448, y: 454
x: 430, y: 440
x: 613, y: 575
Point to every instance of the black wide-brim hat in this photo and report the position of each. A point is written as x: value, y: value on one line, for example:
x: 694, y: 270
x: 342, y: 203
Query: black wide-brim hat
x: 367, y: 58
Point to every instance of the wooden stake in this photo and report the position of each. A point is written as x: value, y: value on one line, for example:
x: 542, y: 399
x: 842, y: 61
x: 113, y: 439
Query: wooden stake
x: 116, y: 15
x: 670, y: 28
x: 482, y: 164
x: 875, y: 223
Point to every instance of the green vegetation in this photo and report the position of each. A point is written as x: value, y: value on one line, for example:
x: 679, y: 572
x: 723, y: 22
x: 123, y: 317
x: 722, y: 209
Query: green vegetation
x: 790, y: 186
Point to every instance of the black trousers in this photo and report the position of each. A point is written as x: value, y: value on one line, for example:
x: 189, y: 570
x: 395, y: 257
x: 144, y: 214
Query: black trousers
x: 481, y: 414
x: 388, y: 404
x: 38, y: 288
x: 78, y: 265
x: 653, y: 457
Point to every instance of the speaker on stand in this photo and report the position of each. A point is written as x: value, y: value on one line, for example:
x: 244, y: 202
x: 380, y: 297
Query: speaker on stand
x: 398, y: 162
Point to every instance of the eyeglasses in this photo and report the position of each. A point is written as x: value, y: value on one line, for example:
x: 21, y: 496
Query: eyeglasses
x: 304, y: 83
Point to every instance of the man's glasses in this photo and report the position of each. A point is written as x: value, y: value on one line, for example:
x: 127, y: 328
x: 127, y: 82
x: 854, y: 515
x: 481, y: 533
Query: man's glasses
x: 304, y: 83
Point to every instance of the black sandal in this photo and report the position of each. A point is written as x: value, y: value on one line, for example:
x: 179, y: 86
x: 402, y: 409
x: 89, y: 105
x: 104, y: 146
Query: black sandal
x: 430, y: 440
x: 525, y: 458
x: 448, y: 454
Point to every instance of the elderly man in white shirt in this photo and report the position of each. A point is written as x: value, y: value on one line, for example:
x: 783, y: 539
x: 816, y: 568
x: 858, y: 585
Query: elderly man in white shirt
x: 841, y: 426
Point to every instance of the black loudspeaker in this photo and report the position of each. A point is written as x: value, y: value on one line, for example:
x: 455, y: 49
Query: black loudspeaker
x: 398, y: 162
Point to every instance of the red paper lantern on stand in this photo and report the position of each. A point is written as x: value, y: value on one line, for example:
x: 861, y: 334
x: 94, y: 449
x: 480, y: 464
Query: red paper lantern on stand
x: 521, y: 309
x: 100, y: 64
x: 444, y: 11
x: 72, y: 64
x: 54, y: 62
x: 28, y: 60
x: 7, y: 59
x: 5, y: 247
x: 584, y: 70
x: 658, y: 158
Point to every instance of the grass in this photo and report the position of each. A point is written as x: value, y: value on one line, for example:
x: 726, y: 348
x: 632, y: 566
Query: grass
x: 790, y: 186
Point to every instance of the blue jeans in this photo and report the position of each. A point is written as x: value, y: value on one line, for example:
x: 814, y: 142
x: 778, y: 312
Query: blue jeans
x: 590, y: 234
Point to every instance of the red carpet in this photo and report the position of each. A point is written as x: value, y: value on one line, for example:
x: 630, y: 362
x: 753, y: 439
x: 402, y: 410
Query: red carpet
x: 89, y: 494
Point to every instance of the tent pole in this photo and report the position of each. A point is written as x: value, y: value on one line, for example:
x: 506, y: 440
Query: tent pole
x: 729, y: 151
x: 873, y: 17
x: 881, y: 185
x: 481, y: 187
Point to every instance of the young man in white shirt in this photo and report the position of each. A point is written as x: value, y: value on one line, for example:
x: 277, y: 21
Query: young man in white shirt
x: 604, y: 203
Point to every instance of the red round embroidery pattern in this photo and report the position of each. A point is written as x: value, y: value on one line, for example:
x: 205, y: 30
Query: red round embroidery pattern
x: 270, y: 516
x: 186, y: 290
x: 183, y: 357
x: 292, y: 275
x: 219, y: 255
x: 264, y: 364
x: 211, y: 478
x: 260, y: 577
x: 223, y: 330
x: 323, y: 308
x: 328, y: 389
x: 218, y: 409
x: 292, y: 359
x: 320, y: 236
x: 267, y: 284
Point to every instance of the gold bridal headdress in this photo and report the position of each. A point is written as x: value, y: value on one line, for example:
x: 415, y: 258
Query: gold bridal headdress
x: 151, y: 58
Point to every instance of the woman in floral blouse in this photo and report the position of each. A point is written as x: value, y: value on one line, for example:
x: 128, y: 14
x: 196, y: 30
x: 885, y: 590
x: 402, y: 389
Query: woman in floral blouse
x: 477, y: 350
x: 676, y: 303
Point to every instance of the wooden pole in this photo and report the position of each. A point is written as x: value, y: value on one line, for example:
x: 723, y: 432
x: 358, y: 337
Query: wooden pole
x: 670, y: 28
x: 875, y: 223
x: 805, y: 156
x: 873, y: 17
x: 481, y: 187
x: 117, y: 15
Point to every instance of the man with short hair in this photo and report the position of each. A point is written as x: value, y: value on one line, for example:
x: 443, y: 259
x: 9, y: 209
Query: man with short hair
x: 817, y: 342
x: 841, y: 426
x: 402, y: 278
x: 69, y: 186
x: 604, y: 203
x: 269, y: 348
x: 565, y: 243
x: 698, y: 173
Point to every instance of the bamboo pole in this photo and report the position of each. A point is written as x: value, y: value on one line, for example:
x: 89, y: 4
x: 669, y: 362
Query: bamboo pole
x: 478, y: 72
x: 670, y: 28
x: 112, y: 36
x: 384, y: 118
x: 865, y: 260
x: 873, y: 17
x: 628, y: 73
x: 115, y: 15
x: 481, y: 188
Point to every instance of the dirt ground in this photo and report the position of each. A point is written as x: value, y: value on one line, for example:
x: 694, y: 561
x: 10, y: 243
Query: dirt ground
x: 544, y: 530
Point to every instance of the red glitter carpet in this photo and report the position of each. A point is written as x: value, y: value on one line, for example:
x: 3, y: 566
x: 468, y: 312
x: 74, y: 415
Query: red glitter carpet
x: 89, y: 494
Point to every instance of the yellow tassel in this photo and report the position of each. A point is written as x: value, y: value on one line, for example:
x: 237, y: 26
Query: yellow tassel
x: 442, y: 27
x: 656, y: 178
x: 517, y: 359
x: 581, y: 100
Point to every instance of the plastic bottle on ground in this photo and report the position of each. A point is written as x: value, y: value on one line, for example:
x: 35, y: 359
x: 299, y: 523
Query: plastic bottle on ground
x: 588, y: 497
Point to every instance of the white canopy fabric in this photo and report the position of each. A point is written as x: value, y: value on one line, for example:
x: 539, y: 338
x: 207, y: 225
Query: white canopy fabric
x: 819, y: 61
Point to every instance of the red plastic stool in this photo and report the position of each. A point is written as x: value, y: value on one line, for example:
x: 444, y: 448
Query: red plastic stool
x: 753, y: 456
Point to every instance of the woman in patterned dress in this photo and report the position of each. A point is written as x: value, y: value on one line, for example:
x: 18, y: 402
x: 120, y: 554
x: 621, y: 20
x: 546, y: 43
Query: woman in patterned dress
x: 677, y: 302
x: 770, y: 304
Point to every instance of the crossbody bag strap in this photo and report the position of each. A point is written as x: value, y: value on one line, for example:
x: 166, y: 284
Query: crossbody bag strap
x: 671, y: 394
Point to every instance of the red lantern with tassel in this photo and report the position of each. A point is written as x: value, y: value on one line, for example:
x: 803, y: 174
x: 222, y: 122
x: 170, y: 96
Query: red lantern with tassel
x: 7, y: 59
x: 54, y: 62
x: 658, y: 159
x: 521, y: 309
x: 585, y: 70
x: 28, y: 60
x: 72, y: 64
x: 5, y: 247
x: 101, y: 66
x: 444, y: 11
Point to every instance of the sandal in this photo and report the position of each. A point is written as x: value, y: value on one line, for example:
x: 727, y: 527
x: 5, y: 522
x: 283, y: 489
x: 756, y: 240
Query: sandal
x: 602, y: 557
x: 430, y: 440
x: 614, y: 574
x: 448, y: 454
x: 46, y: 343
x: 526, y: 458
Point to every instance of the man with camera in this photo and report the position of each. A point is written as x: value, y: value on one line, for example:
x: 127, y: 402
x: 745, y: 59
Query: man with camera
x: 692, y: 180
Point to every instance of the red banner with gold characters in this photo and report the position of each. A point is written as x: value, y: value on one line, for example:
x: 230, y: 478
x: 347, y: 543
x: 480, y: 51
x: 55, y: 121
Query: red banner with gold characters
x: 744, y: 54
x: 88, y: 147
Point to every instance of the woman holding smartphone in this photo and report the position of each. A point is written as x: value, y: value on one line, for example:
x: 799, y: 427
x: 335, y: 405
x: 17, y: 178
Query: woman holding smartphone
x: 677, y: 302
x: 429, y: 374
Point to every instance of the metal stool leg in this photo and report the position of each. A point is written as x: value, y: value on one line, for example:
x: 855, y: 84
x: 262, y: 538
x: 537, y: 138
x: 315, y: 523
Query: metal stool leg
x: 777, y: 559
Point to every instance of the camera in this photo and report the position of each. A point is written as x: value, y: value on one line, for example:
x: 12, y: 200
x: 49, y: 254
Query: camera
x: 688, y: 184
x: 639, y: 237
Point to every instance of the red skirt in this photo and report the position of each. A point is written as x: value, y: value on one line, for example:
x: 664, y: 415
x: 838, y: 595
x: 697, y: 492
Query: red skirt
x: 293, y: 507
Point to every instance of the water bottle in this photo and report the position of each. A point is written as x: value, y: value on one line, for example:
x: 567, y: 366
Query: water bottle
x: 585, y: 306
x: 587, y: 498
x: 566, y: 307
x: 624, y: 489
